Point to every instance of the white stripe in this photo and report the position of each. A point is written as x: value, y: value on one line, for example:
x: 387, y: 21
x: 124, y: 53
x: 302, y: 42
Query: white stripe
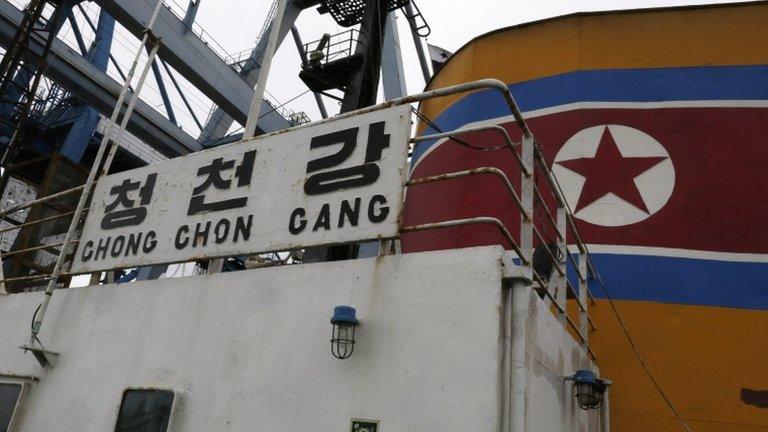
x: 647, y: 105
x: 674, y: 253
x: 606, y: 105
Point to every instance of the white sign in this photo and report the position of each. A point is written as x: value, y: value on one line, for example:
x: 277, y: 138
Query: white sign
x: 334, y: 182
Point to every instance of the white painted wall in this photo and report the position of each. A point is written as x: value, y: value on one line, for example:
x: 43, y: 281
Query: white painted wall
x: 552, y: 354
x: 250, y: 351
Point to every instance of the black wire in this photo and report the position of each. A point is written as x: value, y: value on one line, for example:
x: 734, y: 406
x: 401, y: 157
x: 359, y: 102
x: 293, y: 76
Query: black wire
x: 459, y: 141
x: 34, y: 316
x: 32, y: 325
x: 636, y: 351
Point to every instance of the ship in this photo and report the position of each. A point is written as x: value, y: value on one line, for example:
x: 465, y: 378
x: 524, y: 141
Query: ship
x: 561, y: 231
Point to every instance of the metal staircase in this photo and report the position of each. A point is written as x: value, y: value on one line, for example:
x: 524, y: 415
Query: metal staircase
x: 22, y: 69
x: 53, y: 116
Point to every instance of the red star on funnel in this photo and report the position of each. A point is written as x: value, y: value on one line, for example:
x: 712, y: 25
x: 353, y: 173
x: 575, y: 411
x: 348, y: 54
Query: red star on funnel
x: 610, y: 172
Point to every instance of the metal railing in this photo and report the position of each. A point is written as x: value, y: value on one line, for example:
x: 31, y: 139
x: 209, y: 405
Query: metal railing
x: 238, y: 60
x: 180, y: 11
x: 531, y: 164
x: 581, y: 330
x: 26, y: 224
x: 339, y: 46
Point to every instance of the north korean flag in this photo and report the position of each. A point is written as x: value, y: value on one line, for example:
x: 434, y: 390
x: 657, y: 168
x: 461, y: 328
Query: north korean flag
x: 671, y: 190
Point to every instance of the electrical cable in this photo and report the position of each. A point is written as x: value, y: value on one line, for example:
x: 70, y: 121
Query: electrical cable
x: 434, y: 126
x: 639, y: 357
x: 32, y: 324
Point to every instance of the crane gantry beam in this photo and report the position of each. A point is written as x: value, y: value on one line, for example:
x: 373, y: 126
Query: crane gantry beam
x: 195, y: 60
x: 79, y: 76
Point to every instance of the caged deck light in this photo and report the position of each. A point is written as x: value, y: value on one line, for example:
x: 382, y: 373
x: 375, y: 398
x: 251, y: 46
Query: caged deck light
x: 344, y: 322
x: 589, y: 390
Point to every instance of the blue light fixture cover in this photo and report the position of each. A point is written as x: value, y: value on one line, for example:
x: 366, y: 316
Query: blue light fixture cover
x: 584, y: 376
x: 344, y: 315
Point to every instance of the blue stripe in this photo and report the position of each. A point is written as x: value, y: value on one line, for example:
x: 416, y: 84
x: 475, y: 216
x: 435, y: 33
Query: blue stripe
x: 682, y: 280
x: 616, y: 85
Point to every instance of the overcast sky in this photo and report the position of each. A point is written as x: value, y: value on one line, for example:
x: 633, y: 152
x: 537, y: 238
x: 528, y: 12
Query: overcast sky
x: 235, y: 24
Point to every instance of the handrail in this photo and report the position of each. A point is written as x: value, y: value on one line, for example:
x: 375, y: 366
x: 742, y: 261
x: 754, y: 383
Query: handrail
x: 474, y: 171
x: 470, y: 221
x: 583, y: 332
x: 460, y: 222
x: 527, y: 162
x: 39, y: 221
x: 488, y: 83
x: 503, y: 132
x: 34, y: 248
x: 581, y: 305
x: 557, y: 193
x: 553, y: 224
x: 46, y: 198
x: 106, y: 152
x: 582, y: 278
x: 40, y: 276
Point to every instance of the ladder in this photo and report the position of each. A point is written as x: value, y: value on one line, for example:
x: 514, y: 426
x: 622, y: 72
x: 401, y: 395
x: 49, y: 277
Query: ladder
x: 416, y: 20
x: 126, y: 102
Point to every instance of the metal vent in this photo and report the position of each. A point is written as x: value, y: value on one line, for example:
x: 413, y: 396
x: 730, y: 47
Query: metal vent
x: 350, y: 12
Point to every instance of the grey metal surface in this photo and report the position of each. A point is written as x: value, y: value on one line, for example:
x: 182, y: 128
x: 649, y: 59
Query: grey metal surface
x: 220, y: 120
x: 77, y: 75
x: 392, y: 69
